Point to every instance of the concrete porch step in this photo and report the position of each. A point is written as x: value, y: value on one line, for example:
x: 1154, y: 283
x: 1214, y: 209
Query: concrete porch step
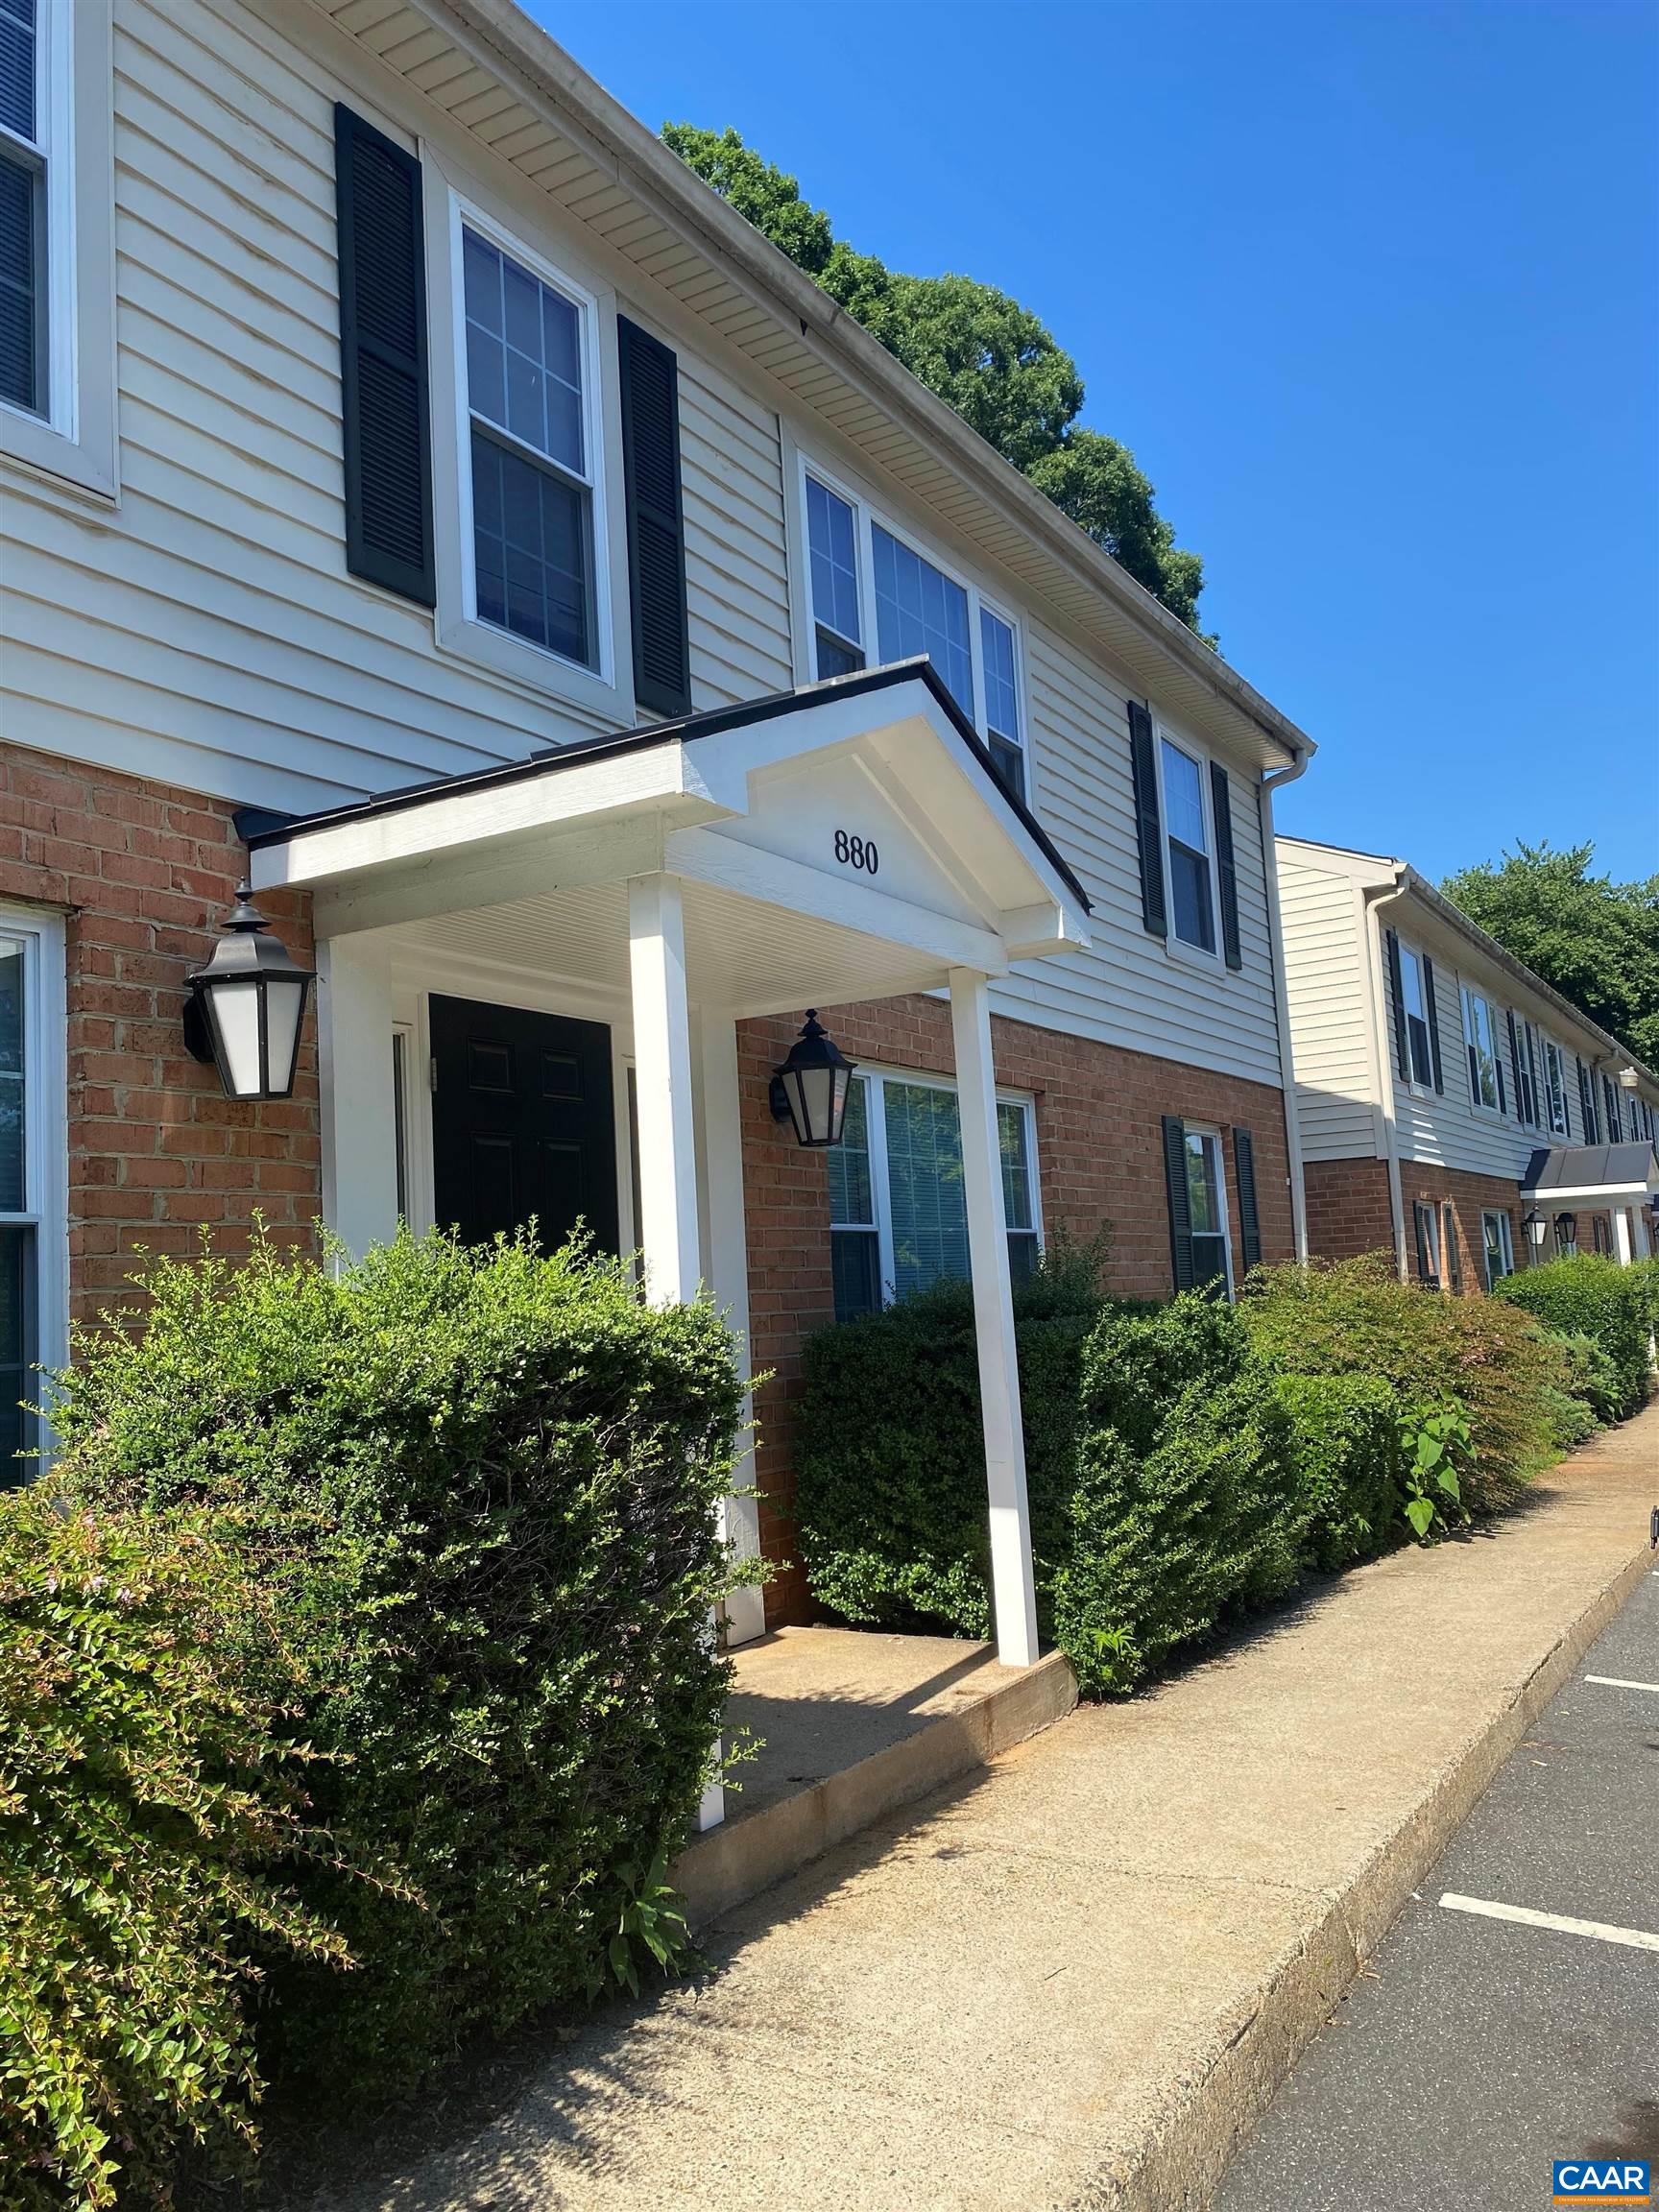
x: 853, y: 1726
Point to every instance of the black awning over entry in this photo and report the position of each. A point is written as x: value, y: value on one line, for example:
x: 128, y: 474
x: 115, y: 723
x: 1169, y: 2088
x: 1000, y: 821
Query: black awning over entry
x: 1613, y: 1172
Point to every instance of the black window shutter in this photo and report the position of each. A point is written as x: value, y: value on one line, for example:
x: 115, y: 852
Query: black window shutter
x: 1587, y: 1104
x: 1535, y: 1116
x: 1180, y: 1217
x: 1449, y: 1239
x: 1148, y: 827
x: 1397, y: 1007
x: 1226, y: 874
x: 1434, y: 1013
x: 385, y: 403
x: 1249, y: 1221
x: 1520, y: 1087
x: 650, y: 376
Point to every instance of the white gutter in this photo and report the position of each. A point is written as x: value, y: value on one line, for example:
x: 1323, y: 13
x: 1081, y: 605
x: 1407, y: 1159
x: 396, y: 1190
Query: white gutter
x: 1265, y: 791
x: 1375, y: 899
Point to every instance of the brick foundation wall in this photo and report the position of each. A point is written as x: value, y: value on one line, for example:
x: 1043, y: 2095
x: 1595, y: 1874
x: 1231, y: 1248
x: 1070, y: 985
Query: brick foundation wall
x: 1348, y: 1213
x: 1100, y: 1169
x: 1348, y: 1209
x: 143, y: 875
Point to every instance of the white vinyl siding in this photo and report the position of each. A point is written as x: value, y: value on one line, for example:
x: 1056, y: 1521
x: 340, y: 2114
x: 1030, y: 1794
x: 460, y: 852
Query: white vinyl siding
x: 1325, y: 985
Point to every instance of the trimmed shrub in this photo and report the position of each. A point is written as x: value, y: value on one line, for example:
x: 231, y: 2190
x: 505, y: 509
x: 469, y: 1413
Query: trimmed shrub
x: 481, y: 1490
x: 1589, y: 1296
x: 151, y: 1819
x: 1357, y: 1317
x: 1188, y: 1503
x: 1645, y: 1280
x: 1351, y: 1461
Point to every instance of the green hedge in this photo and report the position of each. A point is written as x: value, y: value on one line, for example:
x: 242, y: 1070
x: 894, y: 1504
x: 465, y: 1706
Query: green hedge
x: 480, y: 1488
x: 1187, y: 1501
x: 1357, y: 1317
x: 151, y: 1826
x: 1353, y: 1464
x: 1588, y: 1295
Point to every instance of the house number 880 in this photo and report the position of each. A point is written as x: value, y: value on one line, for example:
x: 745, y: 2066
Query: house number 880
x: 858, y: 851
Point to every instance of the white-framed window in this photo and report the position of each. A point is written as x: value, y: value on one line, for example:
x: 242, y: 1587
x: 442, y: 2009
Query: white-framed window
x: 1612, y: 1107
x: 1426, y: 1224
x: 532, y: 551
x: 34, y: 1168
x: 1529, y: 1107
x: 874, y: 593
x: 1497, y: 1251
x: 898, y: 1210
x: 1486, y: 1086
x: 1207, y: 1209
x: 56, y: 242
x: 1555, y: 1087
x: 1190, y: 847
x: 1414, y: 992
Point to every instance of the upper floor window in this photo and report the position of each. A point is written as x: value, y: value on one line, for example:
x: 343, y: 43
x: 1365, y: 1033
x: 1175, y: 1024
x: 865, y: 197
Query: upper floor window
x: 1480, y: 1036
x: 531, y: 440
x: 26, y: 160
x: 1187, y: 834
x: 898, y: 1208
x: 1524, y: 1039
x: 860, y: 571
x: 1555, y: 1087
x: 1414, y: 991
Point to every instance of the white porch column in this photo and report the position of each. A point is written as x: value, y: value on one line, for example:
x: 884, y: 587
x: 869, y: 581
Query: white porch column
x: 663, y: 1073
x: 354, y: 1073
x: 1643, y: 1235
x: 1621, y: 1235
x: 726, y: 1270
x: 1013, y: 1593
x: 667, y: 1226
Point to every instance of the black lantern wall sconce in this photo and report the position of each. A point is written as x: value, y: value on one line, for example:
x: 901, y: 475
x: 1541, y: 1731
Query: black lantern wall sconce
x: 246, y: 1006
x: 1565, y: 1231
x: 1537, y: 1229
x: 810, y: 1088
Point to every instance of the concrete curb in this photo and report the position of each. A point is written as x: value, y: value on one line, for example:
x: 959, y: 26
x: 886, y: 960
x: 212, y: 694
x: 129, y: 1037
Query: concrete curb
x: 1259, y: 2041
x: 735, y: 1862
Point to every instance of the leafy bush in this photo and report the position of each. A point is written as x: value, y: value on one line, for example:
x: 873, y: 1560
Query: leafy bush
x: 1352, y: 1463
x: 151, y: 1817
x: 1188, y: 1502
x: 1357, y: 1317
x: 1591, y: 1382
x: 1645, y: 1281
x: 481, y: 1487
x: 1588, y: 1295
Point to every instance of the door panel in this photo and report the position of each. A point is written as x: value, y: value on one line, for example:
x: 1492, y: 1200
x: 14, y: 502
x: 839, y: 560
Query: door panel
x: 523, y: 1123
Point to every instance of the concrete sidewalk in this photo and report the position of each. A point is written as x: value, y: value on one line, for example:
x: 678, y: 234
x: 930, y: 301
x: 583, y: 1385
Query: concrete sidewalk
x: 1075, y: 1980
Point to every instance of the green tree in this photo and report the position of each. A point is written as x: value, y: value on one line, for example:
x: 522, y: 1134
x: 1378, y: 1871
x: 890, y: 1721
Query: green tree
x: 991, y: 359
x: 1594, y: 940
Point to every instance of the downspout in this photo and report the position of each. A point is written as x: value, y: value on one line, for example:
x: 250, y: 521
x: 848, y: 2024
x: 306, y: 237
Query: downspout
x: 1375, y: 901
x: 1265, y: 791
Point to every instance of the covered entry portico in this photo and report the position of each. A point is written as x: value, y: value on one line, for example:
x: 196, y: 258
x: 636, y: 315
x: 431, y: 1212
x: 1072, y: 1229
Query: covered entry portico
x: 847, y: 841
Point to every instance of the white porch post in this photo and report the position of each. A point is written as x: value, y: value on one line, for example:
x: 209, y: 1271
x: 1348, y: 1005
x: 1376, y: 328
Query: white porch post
x: 355, y: 1075
x: 1013, y: 1593
x: 726, y: 1266
x: 1621, y: 1235
x: 667, y: 1132
x: 663, y: 1065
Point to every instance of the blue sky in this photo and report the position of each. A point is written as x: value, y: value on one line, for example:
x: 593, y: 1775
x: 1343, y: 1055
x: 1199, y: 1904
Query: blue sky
x: 1371, y: 291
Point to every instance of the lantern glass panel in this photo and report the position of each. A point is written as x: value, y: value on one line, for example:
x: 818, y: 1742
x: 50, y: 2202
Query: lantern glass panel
x: 233, y: 1014
x: 284, y: 1003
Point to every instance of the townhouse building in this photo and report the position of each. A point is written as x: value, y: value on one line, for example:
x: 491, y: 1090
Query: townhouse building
x: 424, y: 497
x: 1446, y: 1096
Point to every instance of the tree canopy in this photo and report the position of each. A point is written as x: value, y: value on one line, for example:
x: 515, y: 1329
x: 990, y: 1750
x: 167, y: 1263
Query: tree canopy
x: 991, y: 360
x: 1595, y: 941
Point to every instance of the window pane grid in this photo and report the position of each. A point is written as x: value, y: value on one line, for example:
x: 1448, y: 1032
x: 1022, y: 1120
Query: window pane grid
x: 919, y: 609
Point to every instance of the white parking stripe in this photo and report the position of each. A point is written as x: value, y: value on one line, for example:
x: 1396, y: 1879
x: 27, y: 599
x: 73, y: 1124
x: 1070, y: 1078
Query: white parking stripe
x: 1617, y: 1682
x: 1634, y: 1938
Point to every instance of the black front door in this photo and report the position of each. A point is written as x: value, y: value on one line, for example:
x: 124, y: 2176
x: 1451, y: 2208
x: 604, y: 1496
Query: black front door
x: 523, y: 1123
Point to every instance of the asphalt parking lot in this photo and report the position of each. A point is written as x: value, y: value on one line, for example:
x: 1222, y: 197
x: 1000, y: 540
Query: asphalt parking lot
x: 1479, y: 2048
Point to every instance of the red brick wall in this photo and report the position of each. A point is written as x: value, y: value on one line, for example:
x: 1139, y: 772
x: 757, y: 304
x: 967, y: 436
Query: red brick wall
x: 1100, y: 1164
x: 1348, y: 1213
x: 1347, y: 1210
x: 143, y: 875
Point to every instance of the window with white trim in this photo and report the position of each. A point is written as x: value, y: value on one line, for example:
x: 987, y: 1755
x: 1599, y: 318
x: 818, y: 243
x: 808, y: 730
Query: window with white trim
x: 1555, y: 1087
x: 1426, y: 1222
x: 33, y: 1232
x: 529, y: 479
x: 28, y: 170
x: 1189, y: 847
x: 862, y: 573
x: 1413, y: 992
x: 1497, y: 1252
x: 1486, y: 1086
x: 1525, y: 1038
x: 1207, y: 1209
x: 898, y: 1210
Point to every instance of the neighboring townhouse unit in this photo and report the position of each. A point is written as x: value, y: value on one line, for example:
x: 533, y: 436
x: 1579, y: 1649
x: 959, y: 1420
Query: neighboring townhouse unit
x: 1446, y: 1095
x: 420, y: 491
